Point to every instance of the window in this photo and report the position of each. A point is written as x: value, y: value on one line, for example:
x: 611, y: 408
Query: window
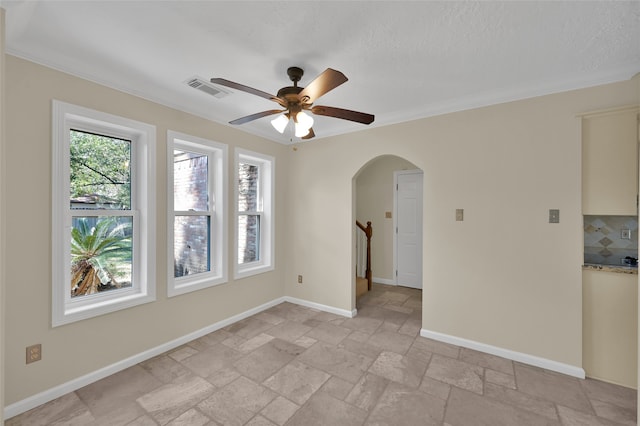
x: 254, y: 213
x: 197, y: 232
x: 103, y: 218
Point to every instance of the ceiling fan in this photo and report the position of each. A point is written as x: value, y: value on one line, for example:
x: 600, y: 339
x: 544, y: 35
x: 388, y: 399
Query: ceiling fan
x: 296, y: 100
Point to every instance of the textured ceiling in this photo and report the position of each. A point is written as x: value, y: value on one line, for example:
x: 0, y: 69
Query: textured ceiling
x: 404, y: 60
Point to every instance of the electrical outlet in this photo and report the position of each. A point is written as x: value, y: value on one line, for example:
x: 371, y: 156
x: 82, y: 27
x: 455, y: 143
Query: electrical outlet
x: 34, y: 353
x: 299, y: 279
x: 625, y: 234
x: 459, y: 215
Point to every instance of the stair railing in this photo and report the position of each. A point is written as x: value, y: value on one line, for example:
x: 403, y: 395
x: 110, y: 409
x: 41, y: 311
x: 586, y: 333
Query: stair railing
x: 367, y: 232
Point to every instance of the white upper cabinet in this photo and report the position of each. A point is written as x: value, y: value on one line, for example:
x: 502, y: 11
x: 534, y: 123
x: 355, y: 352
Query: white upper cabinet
x: 610, y: 162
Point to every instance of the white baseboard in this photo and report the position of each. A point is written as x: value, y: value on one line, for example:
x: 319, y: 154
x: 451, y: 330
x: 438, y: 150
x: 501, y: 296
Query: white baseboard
x: 547, y: 364
x: 325, y: 308
x: 383, y: 281
x: 70, y: 386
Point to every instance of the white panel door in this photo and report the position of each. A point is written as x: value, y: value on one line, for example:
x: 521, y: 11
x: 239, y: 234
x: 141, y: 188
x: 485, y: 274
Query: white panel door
x: 409, y: 228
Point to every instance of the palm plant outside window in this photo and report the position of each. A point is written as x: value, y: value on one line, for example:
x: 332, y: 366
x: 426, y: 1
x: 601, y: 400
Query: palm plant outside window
x: 101, y: 213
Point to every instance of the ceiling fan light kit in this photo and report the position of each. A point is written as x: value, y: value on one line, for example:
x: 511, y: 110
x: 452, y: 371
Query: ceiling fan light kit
x: 303, y: 123
x: 296, y: 100
x: 280, y: 123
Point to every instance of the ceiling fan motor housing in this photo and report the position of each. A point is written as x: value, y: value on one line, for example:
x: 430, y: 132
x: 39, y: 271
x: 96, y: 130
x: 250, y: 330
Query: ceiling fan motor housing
x: 290, y: 93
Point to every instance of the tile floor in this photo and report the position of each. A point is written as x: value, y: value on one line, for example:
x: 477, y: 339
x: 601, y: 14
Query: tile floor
x: 292, y: 365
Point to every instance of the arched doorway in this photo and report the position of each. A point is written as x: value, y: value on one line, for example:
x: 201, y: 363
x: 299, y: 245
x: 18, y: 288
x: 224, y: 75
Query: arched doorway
x: 375, y: 200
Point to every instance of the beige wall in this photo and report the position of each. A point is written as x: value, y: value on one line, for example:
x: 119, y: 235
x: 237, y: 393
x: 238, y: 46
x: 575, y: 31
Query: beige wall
x: 504, y: 276
x: 374, y: 197
x: 2, y: 215
x: 73, y: 350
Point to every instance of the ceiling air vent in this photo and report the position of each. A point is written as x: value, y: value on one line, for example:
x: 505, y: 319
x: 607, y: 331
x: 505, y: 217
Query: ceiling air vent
x: 206, y: 87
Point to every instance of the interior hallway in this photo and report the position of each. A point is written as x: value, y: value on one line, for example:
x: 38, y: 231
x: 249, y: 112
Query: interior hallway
x: 292, y: 365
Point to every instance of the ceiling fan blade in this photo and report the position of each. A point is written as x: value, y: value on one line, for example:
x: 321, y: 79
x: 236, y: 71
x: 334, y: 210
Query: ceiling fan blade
x: 309, y: 135
x: 345, y: 114
x: 328, y: 80
x: 247, y: 89
x: 255, y: 116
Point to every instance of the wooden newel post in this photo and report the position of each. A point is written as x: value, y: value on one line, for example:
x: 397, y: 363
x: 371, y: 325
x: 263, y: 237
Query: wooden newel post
x: 368, y: 231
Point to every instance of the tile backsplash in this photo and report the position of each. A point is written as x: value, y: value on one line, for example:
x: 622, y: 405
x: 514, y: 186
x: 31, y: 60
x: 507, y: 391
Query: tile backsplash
x: 604, y: 242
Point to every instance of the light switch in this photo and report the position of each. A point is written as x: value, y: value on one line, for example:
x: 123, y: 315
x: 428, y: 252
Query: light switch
x: 387, y: 215
x: 625, y: 234
x: 459, y: 215
x: 554, y: 216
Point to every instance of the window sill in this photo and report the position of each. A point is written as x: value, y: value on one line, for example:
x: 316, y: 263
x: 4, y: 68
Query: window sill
x: 190, y: 285
x: 248, y: 271
x: 77, y: 313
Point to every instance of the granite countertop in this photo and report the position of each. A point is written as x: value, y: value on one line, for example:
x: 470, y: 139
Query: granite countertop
x: 611, y: 268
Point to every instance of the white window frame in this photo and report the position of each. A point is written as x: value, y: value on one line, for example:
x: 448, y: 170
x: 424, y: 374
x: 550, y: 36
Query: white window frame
x: 217, y: 154
x: 143, y: 200
x: 266, y: 191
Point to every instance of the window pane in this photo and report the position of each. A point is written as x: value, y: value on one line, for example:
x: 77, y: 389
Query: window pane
x: 191, y: 245
x: 248, y: 238
x: 248, y: 187
x: 101, y: 249
x: 190, y: 181
x: 100, y: 172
